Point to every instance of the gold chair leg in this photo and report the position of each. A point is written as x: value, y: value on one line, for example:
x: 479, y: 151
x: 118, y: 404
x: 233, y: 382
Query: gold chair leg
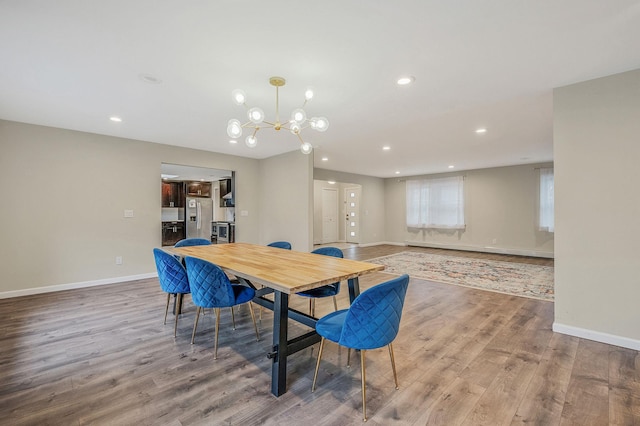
x: 393, y: 365
x: 166, y: 310
x: 253, y: 318
x: 215, y: 345
x: 364, y: 387
x: 335, y: 303
x: 233, y: 318
x: 315, y: 374
x: 195, y: 325
x: 178, y: 303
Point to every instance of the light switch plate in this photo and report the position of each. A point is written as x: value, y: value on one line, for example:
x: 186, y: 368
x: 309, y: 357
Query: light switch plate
x: 128, y: 213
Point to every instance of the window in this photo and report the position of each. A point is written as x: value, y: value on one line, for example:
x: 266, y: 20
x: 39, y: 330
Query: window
x: 436, y: 203
x: 545, y: 216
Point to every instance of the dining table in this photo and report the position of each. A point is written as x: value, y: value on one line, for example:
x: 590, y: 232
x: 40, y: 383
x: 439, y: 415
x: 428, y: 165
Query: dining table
x: 282, y: 273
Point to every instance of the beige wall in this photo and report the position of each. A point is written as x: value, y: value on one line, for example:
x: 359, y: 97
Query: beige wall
x: 64, y: 195
x: 286, y: 194
x: 372, y: 200
x: 596, y: 151
x: 500, y: 213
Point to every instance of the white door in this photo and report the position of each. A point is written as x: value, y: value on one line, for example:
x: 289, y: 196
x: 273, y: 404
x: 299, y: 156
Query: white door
x: 352, y: 212
x: 329, y: 215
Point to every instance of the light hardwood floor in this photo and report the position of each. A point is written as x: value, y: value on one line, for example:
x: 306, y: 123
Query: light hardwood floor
x: 102, y: 356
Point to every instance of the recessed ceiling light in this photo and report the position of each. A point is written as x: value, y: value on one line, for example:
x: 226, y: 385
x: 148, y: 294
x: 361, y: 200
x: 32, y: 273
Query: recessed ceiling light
x: 386, y: 148
x: 150, y: 78
x: 451, y: 166
x: 331, y: 182
x: 397, y: 172
x: 481, y: 130
x: 325, y: 158
x: 233, y: 141
x: 403, y: 81
x: 116, y: 119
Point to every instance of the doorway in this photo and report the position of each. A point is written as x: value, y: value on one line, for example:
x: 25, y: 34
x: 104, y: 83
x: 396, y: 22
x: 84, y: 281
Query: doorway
x: 331, y: 209
x: 329, y: 215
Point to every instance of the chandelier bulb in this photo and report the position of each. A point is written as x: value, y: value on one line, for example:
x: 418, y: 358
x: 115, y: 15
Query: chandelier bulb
x: 298, y: 115
x: 234, y: 128
x: 256, y: 115
x: 321, y: 124
x: 239, y: 97
x: 308, y: 94
x: 294, y: 127
x: 306, y: 148
x: 251, y: 141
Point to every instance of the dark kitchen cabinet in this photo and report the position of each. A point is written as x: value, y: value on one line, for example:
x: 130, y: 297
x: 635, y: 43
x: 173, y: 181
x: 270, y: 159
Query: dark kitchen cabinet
x: 173, y: 194
x: 226, y: 193
x: 172, y: 232
x: 199, y: 189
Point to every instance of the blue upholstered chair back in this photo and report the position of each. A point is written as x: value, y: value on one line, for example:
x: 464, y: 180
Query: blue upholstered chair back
x: 187, y: 242
x: 210, y: 286
x: 171, y: 273
x: 373, y: 320
x: 335, y: 252
x: 280, y: 244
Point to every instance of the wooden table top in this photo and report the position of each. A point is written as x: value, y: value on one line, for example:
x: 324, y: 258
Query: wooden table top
x: 287, y: 271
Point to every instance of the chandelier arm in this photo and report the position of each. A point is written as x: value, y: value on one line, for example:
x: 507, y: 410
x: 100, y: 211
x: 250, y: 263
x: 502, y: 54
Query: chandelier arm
x: 300, y: 137
x: 256, y: 131
x: 247, y: 124
x: 269, y: 123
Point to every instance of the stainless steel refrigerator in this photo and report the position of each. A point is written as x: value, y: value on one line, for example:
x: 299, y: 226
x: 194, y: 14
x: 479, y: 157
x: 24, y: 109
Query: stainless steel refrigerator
x: 198, y: 217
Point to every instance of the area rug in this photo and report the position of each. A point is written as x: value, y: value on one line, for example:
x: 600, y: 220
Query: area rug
x: 518, y: 279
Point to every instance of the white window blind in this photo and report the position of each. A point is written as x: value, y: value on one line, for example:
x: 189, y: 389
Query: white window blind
x: 436, y: 203
x: 546, y: 219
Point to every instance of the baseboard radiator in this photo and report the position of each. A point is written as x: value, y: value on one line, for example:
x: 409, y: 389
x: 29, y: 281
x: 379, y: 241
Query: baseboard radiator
x: 482, y: 249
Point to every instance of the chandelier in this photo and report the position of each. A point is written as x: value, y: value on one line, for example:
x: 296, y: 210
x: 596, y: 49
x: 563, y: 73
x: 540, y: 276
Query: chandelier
x: 296, y: 124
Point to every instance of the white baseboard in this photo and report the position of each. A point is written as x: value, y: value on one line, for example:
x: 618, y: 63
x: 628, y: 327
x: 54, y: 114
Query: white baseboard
x: 597, y: 336
x: 483, y: 249
x: 380, y: 243
x: 71, y: 286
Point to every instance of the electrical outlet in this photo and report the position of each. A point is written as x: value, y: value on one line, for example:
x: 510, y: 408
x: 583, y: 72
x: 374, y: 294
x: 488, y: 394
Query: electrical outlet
x: 128, y: 213
x: 118, y: 260
x: 494, y: 241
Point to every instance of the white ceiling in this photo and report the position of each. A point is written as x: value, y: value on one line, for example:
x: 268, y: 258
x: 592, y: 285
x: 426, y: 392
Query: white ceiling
x: 477, y: 63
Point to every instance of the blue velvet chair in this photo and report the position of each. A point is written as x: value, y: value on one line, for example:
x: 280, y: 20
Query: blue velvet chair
x: 211, y: 288
x: 280, y: 244
x: 173, y: 280
x: 329, y: 290
x: 372, y: 321
x: 187, y: 242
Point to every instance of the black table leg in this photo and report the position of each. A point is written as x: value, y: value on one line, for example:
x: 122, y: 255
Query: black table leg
x: 279, y: 367
x: 354, y: 289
